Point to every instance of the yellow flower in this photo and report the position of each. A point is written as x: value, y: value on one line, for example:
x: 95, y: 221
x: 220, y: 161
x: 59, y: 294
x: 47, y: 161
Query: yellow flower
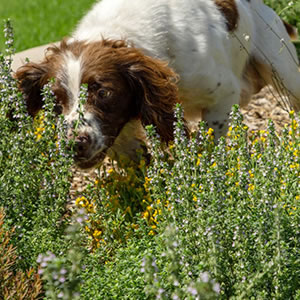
x: 147, y: 183
x: 210, y: 132
x: 39, y: 129
x: 295, y: 124
x: 251, y: 187
x: 38, y: 137
x: 213, y: 165
x: 97, y: 233
x: 83, y: 202
x: 228, y: 173
x: 151, y: 232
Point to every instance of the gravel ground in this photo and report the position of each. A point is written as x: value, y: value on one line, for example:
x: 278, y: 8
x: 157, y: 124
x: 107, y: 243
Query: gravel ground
x: 264, y: 106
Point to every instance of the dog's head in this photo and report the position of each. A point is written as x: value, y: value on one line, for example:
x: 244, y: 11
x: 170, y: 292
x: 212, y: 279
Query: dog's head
x: 123, y: 84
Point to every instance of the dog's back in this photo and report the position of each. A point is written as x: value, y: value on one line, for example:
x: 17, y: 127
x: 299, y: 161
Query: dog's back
x: 223, y: 51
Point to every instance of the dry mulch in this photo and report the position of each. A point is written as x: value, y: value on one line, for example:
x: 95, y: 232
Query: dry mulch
x: 265, y: 105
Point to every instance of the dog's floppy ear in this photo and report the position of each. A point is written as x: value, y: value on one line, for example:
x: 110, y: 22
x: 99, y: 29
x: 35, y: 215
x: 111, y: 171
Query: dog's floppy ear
x: 154, y: 85
x: 32, y: 77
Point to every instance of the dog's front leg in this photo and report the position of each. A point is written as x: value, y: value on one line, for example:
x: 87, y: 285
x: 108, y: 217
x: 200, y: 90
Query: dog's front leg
x: 217, y: 115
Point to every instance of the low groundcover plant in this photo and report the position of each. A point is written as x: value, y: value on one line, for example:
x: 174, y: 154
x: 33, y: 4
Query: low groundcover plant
x: 205, y: 220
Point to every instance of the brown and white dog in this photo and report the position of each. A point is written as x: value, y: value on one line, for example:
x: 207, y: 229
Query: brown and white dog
x: 126, y: 51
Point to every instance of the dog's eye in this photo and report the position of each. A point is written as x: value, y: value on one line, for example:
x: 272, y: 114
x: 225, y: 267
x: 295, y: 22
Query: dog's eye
x: 98, y: 90
x: 104, y: 94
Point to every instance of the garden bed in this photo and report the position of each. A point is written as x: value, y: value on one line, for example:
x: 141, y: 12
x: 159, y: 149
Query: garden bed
x: 205, y: 220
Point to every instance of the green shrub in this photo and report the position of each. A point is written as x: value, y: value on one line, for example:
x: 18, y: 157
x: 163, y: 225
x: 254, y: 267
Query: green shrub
x: 226, y: 220
x: 34, y: 170
x: 15, y: 284
x: 61, y: 273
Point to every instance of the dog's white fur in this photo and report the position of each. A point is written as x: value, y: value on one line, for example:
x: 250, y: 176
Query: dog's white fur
x: 192, y: 36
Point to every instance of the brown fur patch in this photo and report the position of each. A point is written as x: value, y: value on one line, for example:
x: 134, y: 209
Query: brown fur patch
x: 230, y: 13
x: 291, y: 30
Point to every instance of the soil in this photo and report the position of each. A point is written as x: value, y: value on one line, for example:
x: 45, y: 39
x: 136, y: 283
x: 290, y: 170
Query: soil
x: 265, y: 105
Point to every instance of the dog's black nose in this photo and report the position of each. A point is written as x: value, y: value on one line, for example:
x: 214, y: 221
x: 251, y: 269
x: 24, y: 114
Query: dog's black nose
x: 81, y: 146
